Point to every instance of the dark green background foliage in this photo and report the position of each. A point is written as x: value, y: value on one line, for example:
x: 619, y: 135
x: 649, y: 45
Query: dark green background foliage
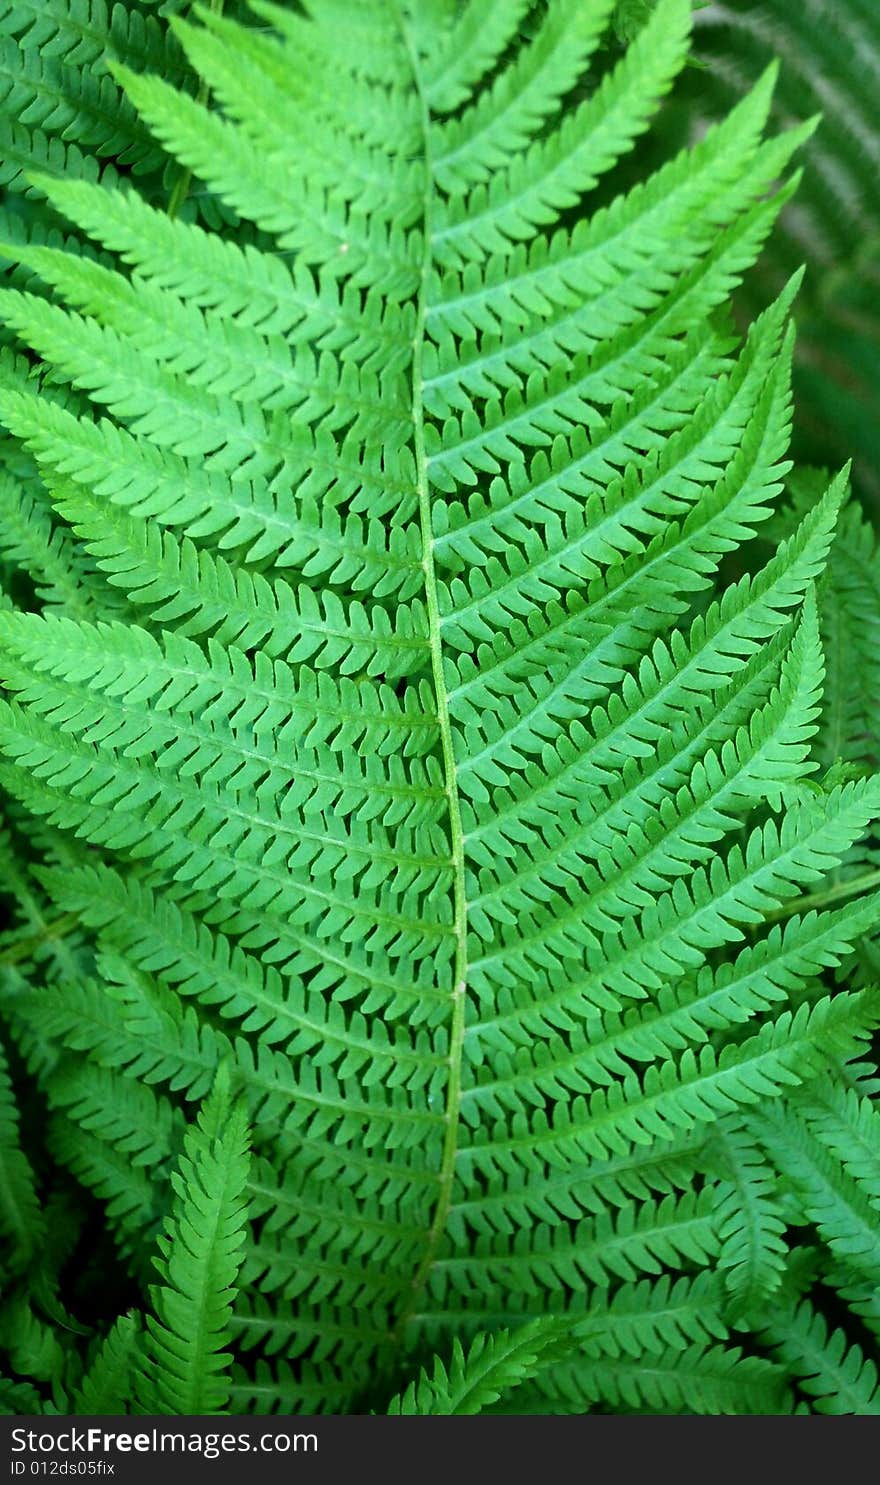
x: 831, y: 56
x: 441, y: 683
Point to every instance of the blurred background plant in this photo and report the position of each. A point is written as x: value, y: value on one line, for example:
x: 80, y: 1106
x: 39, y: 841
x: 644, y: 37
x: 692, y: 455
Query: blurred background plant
x: 829, y: 52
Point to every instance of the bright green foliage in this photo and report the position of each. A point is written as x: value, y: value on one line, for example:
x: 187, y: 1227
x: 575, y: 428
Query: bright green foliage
x: 836, y: 1377
x: 851, y: 633
x: 494, y: 1366
x: 407, y: 753
x: 201, y: 1248
x: 751, y: 1224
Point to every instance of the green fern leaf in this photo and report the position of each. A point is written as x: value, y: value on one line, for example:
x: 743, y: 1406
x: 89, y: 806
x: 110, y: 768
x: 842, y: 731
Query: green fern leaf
x: 106, y: 1386
x: 829, y: 1193
x: 184, y: 1363
x: 836, y: 1376
x: 699, y: 1379
x: 753, y: 1250
x: 493, y: 1366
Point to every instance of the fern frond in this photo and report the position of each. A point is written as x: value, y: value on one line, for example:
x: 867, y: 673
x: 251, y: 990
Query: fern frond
x: 106, y: 1387
x: 848, y: 1126
x: 22, y: 1398
x: 34, y: 1346
x: 132, y: 1205
x: 493, y: 1367
x: 20, y: 1217
x: 184, y: 1367
x: 861, y: 1296
x: 835, y: 1375
x: 850, y: 604
x: 828, y: 54
x: 706, y: 1379
x: 28, y: 538
x: 60, y: 110
x: 128, y: 1117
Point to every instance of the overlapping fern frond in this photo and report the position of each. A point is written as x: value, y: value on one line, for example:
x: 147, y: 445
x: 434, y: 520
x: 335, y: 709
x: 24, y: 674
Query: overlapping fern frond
x: 830, y: 53
x: 185, y: 1368
x: 380, y: 727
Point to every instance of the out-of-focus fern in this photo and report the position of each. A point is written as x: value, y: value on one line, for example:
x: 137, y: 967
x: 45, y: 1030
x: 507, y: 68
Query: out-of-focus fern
x: 830, y: 55
x: 408, y: 754
x: 20, y: 1219
x: 851, y: 632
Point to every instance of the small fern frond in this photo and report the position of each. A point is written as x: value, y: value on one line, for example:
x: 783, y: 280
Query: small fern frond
x: 751, y: 1225
x: 185, y: 1366
x: 493, y: 1366
x: 107, y: 1385
x: 20, y: 1216
x: 835, y: 1375
x: 404, y: 725
x: 830, y: 1195
x: 699, y: 1378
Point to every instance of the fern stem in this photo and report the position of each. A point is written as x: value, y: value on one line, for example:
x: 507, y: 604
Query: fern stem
x: 824, y: 899
x: 23, y: 948
x: 184, y: 180
x: 456, y: 831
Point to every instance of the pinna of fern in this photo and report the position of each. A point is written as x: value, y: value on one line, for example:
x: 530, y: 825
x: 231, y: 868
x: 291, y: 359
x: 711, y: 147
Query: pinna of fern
x: 388, y: 760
